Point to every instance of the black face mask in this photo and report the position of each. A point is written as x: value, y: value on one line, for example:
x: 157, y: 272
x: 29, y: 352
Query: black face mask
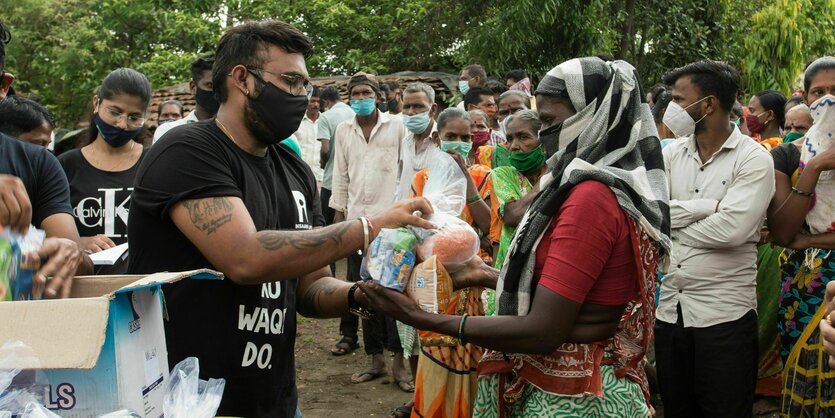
x: 551, y: 139
x: 281, y: 113
x: 392, y: 105
x: 206, y: 100
x: 383, y: 106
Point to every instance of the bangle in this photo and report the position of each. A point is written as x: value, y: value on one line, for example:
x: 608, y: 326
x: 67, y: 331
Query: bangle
x: 371, y: 234
x: 801, y: 192
x: 461, y: 339
x: 474, y: 198
x: 365, y: 234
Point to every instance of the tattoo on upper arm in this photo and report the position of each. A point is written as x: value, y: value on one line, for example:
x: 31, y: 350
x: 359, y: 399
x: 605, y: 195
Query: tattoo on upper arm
x: 208, y: 215
x: 304, y: 240
x: 311, y: 304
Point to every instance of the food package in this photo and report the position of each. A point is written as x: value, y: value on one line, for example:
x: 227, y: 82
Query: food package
x: 454, y: 242
x: 390, y: 258
x: 19, y: 263
x: 431, y: 287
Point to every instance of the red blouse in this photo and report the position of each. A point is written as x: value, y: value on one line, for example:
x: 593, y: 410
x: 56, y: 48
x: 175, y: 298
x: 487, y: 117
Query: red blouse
x: 586, y: 253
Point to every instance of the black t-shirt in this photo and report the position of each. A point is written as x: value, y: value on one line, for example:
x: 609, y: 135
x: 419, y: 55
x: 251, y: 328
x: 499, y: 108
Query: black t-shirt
x: 244, y: 334
x: 786, y: 158
x: 40, y: 173
x: 100, y: 199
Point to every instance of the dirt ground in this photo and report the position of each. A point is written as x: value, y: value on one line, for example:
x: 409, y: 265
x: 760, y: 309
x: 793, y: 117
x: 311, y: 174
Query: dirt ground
x: 325, y: 389
x: 324, y: 380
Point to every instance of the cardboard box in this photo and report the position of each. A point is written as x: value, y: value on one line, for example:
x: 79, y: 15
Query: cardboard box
x: 101, y: 350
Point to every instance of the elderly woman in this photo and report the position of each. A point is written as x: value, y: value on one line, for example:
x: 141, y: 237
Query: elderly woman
x: 576, y: 291
x: 800, y: 218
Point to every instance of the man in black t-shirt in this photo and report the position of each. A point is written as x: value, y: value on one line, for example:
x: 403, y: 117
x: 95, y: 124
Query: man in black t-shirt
x: 34, y: 190
x: 223, y: 194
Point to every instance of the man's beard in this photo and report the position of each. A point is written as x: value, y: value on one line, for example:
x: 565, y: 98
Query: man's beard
x: 257, y: 128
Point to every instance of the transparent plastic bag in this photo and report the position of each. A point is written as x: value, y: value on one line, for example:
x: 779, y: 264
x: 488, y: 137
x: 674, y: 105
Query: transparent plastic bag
x: 188, y: 396
x: 122, y: 413
x: 17, y: 263
x: 446, y: 187
x: 390, y: 258
x: 454, y: 242
x: 15, y: 401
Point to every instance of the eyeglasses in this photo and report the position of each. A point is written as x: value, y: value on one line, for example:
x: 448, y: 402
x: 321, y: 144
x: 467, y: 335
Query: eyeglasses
x: 133, y: 121
x: 298, y: 85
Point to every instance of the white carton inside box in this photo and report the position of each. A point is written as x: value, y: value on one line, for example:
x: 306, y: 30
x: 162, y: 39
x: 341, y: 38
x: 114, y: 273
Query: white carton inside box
x: 101, y: 350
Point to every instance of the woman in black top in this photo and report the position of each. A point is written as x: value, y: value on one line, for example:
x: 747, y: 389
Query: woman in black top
x: 102, y: 170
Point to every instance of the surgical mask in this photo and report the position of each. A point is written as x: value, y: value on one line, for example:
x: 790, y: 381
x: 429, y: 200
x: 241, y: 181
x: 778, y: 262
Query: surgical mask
x: 206, y: 100
x: 679, y: 121
x: 114, y: 136
x: 363, y: 107
x: 463, y: 86
x: 279, y: 111
x: 418, y: 123
x: 551, y: 139
x: 526, y: 162
x: 737, y: 122
x: 792, y: 136
x: 462, y: 148
x: 164, y: 121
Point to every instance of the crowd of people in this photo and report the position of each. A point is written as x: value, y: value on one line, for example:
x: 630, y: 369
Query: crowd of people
x: 671, y: 244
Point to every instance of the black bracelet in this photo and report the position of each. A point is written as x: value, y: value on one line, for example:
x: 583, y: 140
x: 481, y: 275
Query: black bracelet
x: 354, y: 307
x: 461, y: 339
x: 801, y: 192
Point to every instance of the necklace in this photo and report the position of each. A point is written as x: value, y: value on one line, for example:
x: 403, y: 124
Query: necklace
x: 225, y: 131
x: 109, y: 163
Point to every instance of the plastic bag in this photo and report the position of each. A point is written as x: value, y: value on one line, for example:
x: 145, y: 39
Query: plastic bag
x: 188, y: 396
x: 122, y: 413
x: 18, y: 402
x: 455, y: 242
x: 390, y: 258
x: 18, y: 264
x: 446, y: 187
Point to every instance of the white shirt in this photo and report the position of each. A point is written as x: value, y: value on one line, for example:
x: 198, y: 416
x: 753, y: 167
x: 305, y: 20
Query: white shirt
x: 716, y: 211
x: 365, y: 173
x: 165, y: 127
x: 412, y: 162
x: 309, y: 145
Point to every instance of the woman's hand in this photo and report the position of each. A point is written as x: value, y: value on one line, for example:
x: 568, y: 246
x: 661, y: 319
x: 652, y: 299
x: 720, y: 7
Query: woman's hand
x: 824, y: 161
x: 390, y: 302
x: 96, y: 243
x: 475, y: 273
x: 799, y: 243
x: 462, y: 164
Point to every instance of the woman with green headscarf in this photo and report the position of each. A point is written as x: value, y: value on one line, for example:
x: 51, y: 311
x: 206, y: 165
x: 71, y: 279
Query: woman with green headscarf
x: 507, y: 185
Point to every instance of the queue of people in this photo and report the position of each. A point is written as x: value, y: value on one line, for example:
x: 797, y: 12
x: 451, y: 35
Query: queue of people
x: 634, y: 244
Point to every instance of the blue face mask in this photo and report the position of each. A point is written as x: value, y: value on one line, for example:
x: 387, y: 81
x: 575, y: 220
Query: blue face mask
x: 463, y: 86
x: 363, y: 107
x: 418, y: 123
x: 462, y: 148
x: 114, y: 136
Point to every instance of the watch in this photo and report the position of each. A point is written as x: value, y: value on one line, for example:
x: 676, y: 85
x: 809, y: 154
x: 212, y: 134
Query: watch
x: 354, y: 308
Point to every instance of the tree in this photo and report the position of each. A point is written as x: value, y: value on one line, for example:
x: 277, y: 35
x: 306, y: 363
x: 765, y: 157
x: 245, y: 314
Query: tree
x: 774, y: 48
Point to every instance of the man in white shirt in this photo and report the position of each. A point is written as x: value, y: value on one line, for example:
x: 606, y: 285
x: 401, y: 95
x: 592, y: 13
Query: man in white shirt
x: 720, y: 183
x: 307, y: 139
x: 419, y: 112
x: 206, y: 104
x: 365, y: 169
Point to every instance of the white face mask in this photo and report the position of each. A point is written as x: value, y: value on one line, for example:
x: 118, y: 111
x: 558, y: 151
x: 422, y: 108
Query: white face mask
x: 679, y: 121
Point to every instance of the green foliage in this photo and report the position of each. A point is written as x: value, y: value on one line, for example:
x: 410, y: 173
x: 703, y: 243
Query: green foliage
x: 775, y: 48
x: 62, y: 49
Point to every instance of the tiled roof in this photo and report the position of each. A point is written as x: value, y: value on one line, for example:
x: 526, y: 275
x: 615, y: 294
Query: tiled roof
x: 179, y: 92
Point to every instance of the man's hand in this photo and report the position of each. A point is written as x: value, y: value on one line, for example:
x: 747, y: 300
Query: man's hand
x: 389, y: 302
x: 15, y: 208
x: 62, y: 259
x: 96, y: 243
x: 404, y: 213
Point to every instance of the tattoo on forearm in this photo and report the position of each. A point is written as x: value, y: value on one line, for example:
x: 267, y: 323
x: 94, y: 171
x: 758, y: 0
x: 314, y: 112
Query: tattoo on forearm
x: 208, y: 215
x: 304, y: 240
x: 311, y: 304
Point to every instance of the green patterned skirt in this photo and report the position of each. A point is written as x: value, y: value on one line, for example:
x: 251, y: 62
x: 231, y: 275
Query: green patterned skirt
x: 622, y: 398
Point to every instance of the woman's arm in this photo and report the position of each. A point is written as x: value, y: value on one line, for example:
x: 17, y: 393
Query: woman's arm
x: 545, y: 328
